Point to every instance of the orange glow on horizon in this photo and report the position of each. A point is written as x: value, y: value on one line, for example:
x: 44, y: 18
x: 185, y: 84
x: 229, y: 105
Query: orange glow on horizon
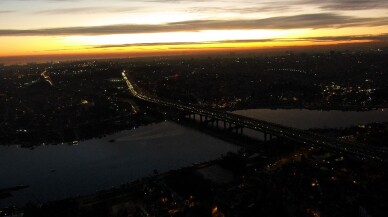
x: 203, y: 47
x: 175, y: 42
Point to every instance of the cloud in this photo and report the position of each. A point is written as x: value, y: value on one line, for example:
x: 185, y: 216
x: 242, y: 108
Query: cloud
x: 150, y: 44
x: 48, y: 0
x: 348, y: 38
x: 350, y: 4
x: 5, y: 11
x: 322, y: 20
x: 87, y: 10
x: 325, y: 4
x: 381, y: 37
x: 273, y: 5
x: 181, y: 45
x: 180, y: 1
x: 243, y: 10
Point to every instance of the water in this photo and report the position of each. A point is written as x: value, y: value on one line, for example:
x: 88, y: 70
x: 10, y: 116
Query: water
x: 99, y: 164
x: 60, y: 171
x: 306, y: 119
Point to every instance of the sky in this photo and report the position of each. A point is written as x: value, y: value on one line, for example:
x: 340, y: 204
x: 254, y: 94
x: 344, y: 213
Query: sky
x: 52, y: 27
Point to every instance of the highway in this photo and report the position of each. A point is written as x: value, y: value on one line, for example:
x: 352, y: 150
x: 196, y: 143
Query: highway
x: 355, y: 150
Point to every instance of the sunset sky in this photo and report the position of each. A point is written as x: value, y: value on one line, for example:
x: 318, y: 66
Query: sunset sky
x: 45, y: 27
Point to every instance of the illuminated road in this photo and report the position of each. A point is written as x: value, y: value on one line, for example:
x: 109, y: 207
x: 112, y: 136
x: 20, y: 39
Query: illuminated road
x: 46, y: 77
x: 358, y: 151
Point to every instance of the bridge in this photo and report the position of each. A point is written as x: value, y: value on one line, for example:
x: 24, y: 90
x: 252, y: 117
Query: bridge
x: 237, y: 123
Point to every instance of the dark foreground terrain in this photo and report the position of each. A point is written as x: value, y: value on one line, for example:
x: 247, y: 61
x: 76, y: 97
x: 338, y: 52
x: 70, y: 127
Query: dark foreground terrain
x: 283, y: 181
x: 71, y: 101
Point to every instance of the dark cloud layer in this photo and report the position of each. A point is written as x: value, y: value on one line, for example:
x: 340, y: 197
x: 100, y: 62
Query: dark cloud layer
x: 322, y: 20
x: 380, y: 37
x: 348, y: 38
x: 349, y: 4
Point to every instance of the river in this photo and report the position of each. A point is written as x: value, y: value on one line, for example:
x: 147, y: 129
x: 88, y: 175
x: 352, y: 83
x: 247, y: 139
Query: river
x: 306, y: 119
x: 59, y: 171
